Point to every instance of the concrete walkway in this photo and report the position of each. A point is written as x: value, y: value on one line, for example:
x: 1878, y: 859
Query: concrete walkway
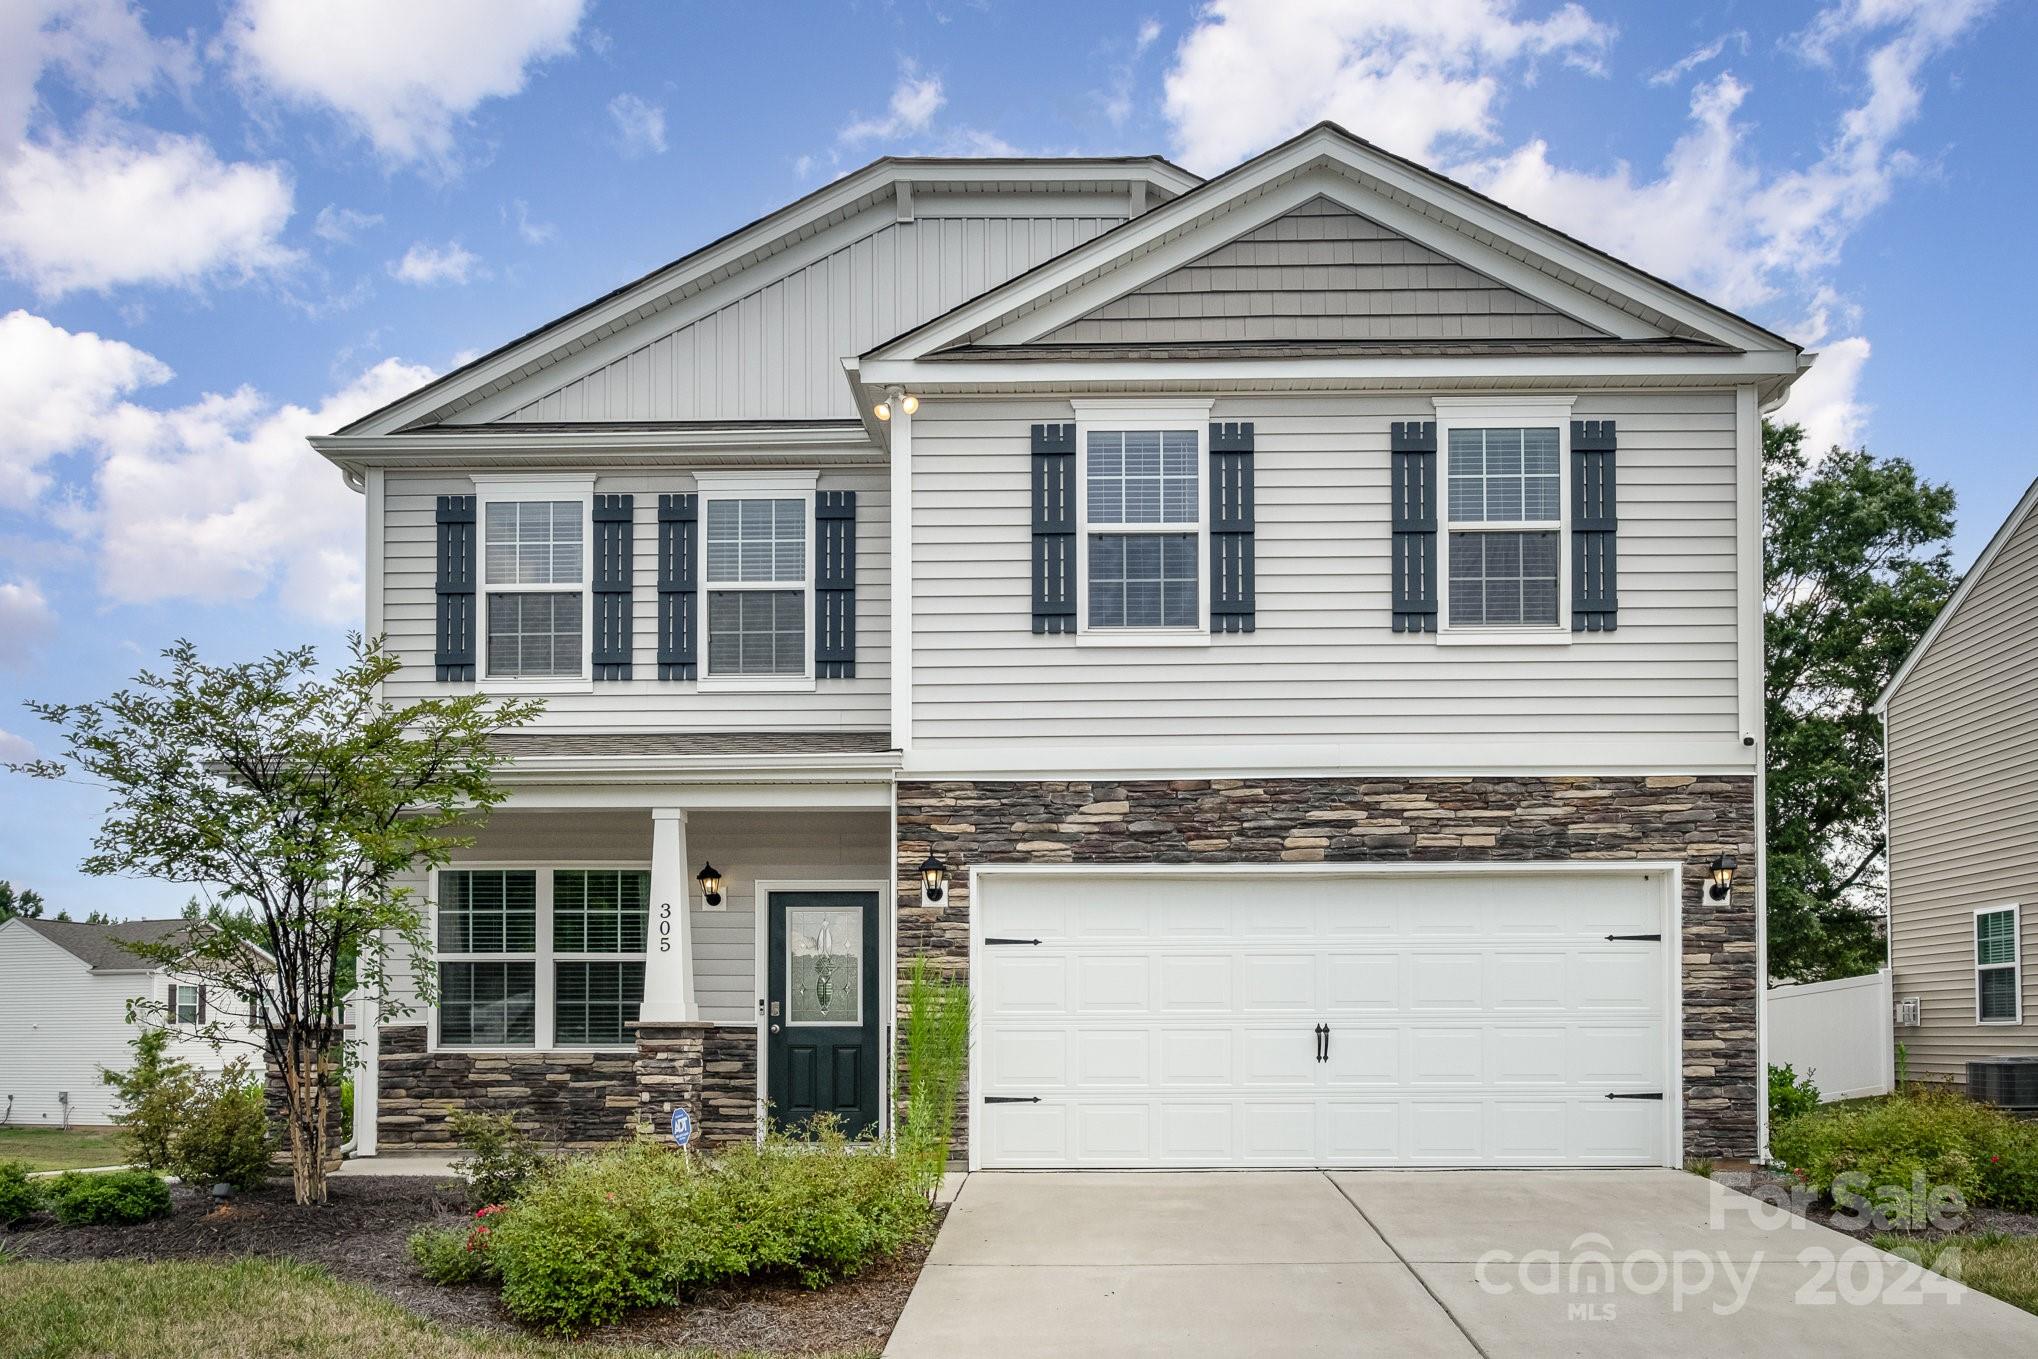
x: 1613, y: 1263
x: 437, y: 1164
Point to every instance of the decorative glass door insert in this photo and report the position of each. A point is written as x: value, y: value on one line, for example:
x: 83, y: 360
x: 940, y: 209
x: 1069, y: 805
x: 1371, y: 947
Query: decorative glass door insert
x: 824, y: 961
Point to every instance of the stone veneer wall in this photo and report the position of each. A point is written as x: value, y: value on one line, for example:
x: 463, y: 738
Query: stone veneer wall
x: 1373, y: 820
x: 575, y: 1098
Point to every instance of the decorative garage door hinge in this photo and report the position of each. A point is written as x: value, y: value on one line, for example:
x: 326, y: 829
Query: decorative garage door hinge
x: 1011, y: 1099
x: 1011, y: 941
x: 1654, y: 938
x: 1652, y: 1094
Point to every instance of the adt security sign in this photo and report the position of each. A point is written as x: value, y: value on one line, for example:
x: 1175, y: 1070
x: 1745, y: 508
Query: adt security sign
x: 682, y: 1127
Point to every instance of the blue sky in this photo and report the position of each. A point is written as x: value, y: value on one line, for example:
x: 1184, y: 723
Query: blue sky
x: 226, y: 225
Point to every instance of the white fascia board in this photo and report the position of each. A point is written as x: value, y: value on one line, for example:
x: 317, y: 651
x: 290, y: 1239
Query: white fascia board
x: 473, y: 446
x: 693, y: 794
x: 1974, y: 573
x: 1577, y: 370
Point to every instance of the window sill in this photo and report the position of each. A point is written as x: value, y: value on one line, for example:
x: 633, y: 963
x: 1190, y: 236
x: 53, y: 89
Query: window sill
x: 1503, y: 637
x: 1998, y: 1023
x: 754, y: 684
x: 1138, y: 638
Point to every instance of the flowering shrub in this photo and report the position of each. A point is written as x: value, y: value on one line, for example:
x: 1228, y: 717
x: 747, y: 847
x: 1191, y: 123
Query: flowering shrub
x: 1894, y: 1151
x: 451, y: 1255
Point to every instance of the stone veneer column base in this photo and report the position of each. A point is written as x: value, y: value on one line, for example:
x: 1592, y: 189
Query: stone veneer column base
x: 672, y: 1068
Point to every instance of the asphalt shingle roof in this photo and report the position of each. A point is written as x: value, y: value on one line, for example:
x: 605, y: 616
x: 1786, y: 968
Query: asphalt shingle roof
x: 103, y: 948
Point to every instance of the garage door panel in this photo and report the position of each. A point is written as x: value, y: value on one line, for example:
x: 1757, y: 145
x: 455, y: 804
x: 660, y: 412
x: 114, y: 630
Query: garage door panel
x: 1472, y: 1020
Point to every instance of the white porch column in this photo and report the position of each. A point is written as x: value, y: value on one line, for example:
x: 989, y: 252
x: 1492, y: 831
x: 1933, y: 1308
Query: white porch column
x: 668, y: 967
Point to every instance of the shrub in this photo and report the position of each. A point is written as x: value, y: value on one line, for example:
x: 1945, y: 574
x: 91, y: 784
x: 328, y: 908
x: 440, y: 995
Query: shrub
x: 501, y: 1160
x: 19, y: 1195
x: 118, y: 1196
x: 225, y: 1137
x: 1790, y: 1094
x: 1984, y: 1153
x: 156, y: 1093
x: 448, y: 1255
x: 937, y: 1053
x: 628, y: 1227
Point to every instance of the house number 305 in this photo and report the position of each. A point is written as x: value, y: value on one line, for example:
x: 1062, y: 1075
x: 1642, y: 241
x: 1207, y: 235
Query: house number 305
x: 665, y: 927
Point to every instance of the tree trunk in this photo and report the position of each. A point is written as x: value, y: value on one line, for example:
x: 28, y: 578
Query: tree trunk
x: 306, y: 1100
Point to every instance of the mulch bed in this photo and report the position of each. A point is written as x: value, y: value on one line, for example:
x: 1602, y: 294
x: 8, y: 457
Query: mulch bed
x: 1973, y: 1221
x: 360, y: 1236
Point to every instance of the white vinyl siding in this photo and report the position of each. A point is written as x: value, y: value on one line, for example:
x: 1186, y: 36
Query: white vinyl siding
x: 1324, y: 680
x: 645, y: 703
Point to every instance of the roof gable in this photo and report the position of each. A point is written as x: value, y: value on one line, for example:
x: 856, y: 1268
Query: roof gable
x: 1321, y: 271
x: 1970, y: 584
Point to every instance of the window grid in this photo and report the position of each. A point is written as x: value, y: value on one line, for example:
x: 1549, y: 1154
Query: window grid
x: 534, y: 587
x: 1997, y: 976
x: 757, y: 541
x: 1505, y: 526
x: 757, y: 632
x: 534, y: 635
x: 533, y: 542
x: 1143, y: 580
x: 1143, y: 519
x: 754, y: 547
x: 1498, y: 579
x: 488, y: 1004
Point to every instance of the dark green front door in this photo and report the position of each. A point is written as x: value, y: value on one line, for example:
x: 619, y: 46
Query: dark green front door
x: 821, y: 1022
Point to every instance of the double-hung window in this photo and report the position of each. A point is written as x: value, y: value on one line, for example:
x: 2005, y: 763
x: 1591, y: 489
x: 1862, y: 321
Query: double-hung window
x: 534, y: 570
x: 1143, y: 517
x: 1505, y: 564
x: 183, y: 1007
x: 540, y: 958
x: 1998, y: 976
x: 757, y: 570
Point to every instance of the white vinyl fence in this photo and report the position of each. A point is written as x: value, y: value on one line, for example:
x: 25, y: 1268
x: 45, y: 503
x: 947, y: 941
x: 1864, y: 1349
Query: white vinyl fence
x: 1837, y: 1032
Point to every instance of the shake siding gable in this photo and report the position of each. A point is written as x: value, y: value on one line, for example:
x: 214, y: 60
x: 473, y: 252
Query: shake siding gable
x: 1963, y: 809
x: 1324, y: 665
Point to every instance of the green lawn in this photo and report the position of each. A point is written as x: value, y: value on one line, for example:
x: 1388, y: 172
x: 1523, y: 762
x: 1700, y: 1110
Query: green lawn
x: 119, y: 1309
x: 55, y: 1149
x: 2003, y: 1267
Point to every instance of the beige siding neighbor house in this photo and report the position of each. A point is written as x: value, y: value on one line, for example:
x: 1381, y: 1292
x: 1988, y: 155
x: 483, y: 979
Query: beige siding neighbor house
x: 1962, y: 723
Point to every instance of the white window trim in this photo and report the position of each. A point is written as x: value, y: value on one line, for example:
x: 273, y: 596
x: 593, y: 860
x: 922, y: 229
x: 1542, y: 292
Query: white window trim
x: 800, y: 486
x: 1485, y: 412
x: 1144, y: 413
x: 170, y: 998
x: 2015, y: 965
x: 488, y: 489
x: 544, y: 997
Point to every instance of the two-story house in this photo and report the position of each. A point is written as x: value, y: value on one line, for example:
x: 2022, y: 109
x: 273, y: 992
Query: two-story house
x: 1292, y: 641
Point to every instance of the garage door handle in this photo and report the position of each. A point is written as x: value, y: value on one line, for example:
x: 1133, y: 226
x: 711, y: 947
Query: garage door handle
x: 1011, y: 941
x: 1323, y: 1042
x: 1011, y: 1099
x: 1653, y: 938
x: 1652, y: 1094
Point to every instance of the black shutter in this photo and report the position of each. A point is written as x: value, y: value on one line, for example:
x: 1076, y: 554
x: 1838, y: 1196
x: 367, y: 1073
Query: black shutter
x: 1595, y: 564
x: 678, y: 592
x: 835, y: 584
x: 201, y: 1005
x: 1412, y: 449
x: 614, y: 560
x: 1231, y: 527
x: 1054, y: 528
x: 453, y: 654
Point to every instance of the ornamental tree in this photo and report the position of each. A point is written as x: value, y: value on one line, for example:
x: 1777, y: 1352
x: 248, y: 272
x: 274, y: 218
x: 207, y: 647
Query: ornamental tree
x: 294, y: 803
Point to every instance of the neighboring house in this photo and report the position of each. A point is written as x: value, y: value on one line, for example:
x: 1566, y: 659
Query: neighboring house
x: 1309, y: 623
x: 65, y: 988
x: 1960, y: 722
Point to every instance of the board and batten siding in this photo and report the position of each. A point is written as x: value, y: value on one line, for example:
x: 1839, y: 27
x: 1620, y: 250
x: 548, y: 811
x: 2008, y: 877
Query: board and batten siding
x: 1963, y: 811
x: 646, y: 703
x: 775, y: 351
x: 1325, y: 681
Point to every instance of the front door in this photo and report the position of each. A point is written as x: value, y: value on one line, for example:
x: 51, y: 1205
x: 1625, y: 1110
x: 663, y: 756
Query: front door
x: 821, y: 1019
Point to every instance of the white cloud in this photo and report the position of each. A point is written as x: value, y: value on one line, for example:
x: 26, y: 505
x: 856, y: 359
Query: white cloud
x: 1406, y: 74
x: 57, y: 389
x: 1699, y: 56
x: 427, y: 266
x: 1826, y: 400
x: 402, y: 74
x: 1149, y: 33
x: 640, y: 125
x: 339, y: 226
x: 25, y: 621
x: 15, y: 749
x: 100, y: 47
x: 532, y: 233
x: 915, y: 100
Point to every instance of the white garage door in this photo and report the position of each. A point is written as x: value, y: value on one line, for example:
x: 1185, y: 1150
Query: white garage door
x: 1266, y: 1019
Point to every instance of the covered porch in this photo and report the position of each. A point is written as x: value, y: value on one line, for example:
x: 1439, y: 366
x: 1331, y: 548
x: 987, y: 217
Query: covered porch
x: 594, y: 974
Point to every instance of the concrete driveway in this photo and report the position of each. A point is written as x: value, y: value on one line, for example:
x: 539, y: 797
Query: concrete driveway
x: 1417, y: 1263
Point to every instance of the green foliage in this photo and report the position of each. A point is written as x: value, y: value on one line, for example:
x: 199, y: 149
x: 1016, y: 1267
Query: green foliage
x: 347, y: 1102
x: 27, y: 902
x: 1856, y: 566
x: 116, y: 1197
x: 1903, y: 1065
x: 935, y: 1058
x: 19, y: 1195
x: 1985, y: 1153
x: 629, y: 1227
x: 1790, y: 1094
x: 225, y: 1136
x: 156, y: 1095
x: 501, y: 1161
x: 304, y: 802
x: 448, y: 1255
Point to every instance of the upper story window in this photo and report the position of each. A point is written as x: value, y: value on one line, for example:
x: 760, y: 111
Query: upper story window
x: 1998, y: 981
x: 757, y: 573
x: 1143, y: 520
x: 534, y: 571
x: 1504, y: 520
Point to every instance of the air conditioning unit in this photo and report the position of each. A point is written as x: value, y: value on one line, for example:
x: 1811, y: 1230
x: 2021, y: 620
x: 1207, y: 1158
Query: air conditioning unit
x: 1910, y: 1012
x: 2011, y: 1082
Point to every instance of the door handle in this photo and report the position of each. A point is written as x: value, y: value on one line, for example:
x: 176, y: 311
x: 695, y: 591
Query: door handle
x: 1326, y: 1042
x: 774, y: 1028
x: 1322, y: 1042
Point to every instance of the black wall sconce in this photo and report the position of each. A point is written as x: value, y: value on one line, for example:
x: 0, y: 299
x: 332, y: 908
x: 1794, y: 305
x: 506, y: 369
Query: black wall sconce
x: 933, y: 879
x: 1722, y: 877
x: 711, y: 884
